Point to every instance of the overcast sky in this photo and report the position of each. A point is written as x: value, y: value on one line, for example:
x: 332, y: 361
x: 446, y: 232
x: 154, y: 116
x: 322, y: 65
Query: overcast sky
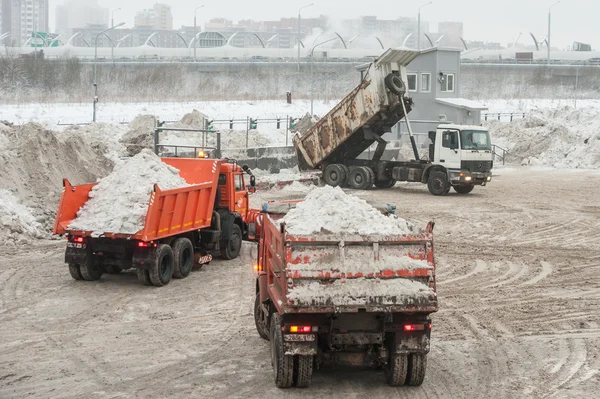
x: 572, y: 20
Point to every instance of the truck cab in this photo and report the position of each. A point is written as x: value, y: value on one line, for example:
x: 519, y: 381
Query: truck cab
x: 463, y: 154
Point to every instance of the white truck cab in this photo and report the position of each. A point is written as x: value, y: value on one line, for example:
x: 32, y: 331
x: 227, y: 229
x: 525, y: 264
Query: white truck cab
x: 465, y: 153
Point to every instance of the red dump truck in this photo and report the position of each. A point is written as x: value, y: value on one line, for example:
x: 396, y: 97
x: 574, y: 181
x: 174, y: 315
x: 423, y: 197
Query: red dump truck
x: 357, y: 300
x: 183, y: 226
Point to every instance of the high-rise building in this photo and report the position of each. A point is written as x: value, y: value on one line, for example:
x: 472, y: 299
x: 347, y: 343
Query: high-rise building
x: 75, y: 14
x: 159, y: 17
x: 21, y: 18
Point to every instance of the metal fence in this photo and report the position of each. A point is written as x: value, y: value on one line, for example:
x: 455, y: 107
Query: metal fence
x: 503, y: 116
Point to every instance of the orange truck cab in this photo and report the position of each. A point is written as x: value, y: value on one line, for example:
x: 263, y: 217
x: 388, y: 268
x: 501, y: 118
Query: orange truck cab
x: 183, y: 227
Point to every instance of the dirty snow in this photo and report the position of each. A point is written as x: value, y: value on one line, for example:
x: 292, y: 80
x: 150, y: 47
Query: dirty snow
x: 330, y: 210
x: 17, y: 223
x: 298, y: 187
x: 360, y: 292
x: 119, y: 202
x: 559, y: 138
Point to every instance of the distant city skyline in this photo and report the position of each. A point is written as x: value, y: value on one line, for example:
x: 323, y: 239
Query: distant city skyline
x: 572, y: 20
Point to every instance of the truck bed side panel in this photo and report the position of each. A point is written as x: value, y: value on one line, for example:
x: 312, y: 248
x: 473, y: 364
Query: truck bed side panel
x: 71, y: 201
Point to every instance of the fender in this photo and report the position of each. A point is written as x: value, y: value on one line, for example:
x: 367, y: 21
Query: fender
x: 430, y: 169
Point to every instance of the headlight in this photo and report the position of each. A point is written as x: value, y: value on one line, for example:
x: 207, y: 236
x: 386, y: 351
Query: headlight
x: 468, y: 178
x: 489, y: 178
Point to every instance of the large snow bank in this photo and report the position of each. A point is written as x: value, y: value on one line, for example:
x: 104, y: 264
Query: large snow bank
x: 118, y: 203
x: 360, y: 292
x: 560, y: 138
x: 17, y: 223
x: 330, y: 210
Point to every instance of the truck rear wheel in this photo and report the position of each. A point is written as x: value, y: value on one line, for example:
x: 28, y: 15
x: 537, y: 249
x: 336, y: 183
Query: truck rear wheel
x: 438, y: 183
x: 303, y: 369
x: 183, y: 255
x: 259, y: 318
x: 144, y: 276
x: 90, y: 271
x: 372, y: 174
x: 335, y: 175
x: 234, y: 244
x: 359, y: 178
x: 75, y: 271
x: 396, y: 370
x: 388, y: 183
x: 395, y: 84
x: 162, y: 268
x: 346, y: 174
x: 283, y: 366
x: 464, y: 189
x: 417, y: 365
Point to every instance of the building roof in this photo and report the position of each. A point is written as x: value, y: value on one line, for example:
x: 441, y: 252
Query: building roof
x: 462, y: 103
x: 451, y: 49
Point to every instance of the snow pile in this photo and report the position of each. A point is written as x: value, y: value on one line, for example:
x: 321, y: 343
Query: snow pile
x: 140, y: 134
x: 298, y: 187
x: 560, y: 138
x: 305, y: 124
x: 118, y: 203
x: 17, y: 223
x: 397, y: 291
x: 329, y: 210
x: 284, y: 175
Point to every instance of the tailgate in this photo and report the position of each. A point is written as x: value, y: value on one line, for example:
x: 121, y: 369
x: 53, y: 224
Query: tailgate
x: 372, y: 274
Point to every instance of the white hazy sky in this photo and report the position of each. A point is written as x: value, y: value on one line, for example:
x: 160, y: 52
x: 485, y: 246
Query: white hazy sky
x: 572, y: 20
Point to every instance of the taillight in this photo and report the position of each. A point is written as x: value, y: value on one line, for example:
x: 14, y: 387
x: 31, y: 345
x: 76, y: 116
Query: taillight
x: 78, y: 239
x: 303, y: 329
x: 414, y: 327
x: 258, y: 268
x: 142, y: 244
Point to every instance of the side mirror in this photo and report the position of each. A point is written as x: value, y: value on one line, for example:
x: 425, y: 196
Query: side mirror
x: 252, y: 181
x: 245, y: 168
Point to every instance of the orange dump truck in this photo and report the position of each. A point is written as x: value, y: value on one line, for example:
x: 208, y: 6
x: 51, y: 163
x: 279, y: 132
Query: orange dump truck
x: 357, y: 300
x: 183, y: 226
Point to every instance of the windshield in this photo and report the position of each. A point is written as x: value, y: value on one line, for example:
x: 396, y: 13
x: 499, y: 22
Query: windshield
x: 475, y: 140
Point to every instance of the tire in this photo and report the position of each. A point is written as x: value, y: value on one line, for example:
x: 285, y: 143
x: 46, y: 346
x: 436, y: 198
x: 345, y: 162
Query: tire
x: 395, y: 84
x: 334, y: 175
x: 162, y: 267
x: 417, y: 366
x: 234, y: 244
x: 75, y: 271
x: 359, y: 178
x: 112, y: 269
x: 303, y: 368
x: 90, y: 271
x: 144, y: 276
x: 438, y: 183
x: 396, y: 370
x: 464, y: 189
x: 283, y: 366
x: 346, y: 174
x: 261, y: 326
x: 372, y: 174
x: 183, y: 255
x: 389, y: 183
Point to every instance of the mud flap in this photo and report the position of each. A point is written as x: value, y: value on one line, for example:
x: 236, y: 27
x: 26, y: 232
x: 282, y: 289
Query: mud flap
x: 262, y: 286
x: 76, y: 253
x: 412, y: 343
x: 143, y: 258
x: 304, y: 347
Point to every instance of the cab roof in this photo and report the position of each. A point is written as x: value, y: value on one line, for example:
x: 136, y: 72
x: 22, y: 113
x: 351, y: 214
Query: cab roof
x: 462, y: 127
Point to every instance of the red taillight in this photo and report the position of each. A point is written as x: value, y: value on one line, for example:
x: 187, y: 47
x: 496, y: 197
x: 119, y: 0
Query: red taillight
x: 301, y: 329
x: 78, y: 239
x: 414, y: 327
x: 143, y: 244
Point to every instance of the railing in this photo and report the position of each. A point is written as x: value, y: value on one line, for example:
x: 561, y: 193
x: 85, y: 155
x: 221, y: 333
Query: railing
x: 500, y: 116
x: 499, y: 152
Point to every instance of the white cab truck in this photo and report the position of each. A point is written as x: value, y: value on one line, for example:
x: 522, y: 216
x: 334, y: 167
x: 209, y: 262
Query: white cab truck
x: 460, y: 157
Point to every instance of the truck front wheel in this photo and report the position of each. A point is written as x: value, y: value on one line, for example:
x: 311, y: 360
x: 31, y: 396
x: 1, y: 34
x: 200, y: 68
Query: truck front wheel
x: 234, y: 244
x: 161, y: 272
x: 464, y: 189
x: 260, y: 319
x: 417, y: 365
x: 438, y: 183
x: 283, y: 366
x: 396, y: 370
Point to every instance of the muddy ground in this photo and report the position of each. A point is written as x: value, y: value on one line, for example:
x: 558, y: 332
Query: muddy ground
x: 519, y: 288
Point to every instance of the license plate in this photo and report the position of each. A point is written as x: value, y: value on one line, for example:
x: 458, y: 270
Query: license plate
x: 299, y: 337
x: 75, y: 245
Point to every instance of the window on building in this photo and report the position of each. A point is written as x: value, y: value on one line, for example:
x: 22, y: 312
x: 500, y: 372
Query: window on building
x: 448, y: 82
x: 450, y: 139
x: 412, y: 82
x: 426, y: 82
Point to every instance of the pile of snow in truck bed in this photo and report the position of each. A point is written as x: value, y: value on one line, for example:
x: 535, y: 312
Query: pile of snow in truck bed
x: 397, y: 291
x: 119, y: 202
x: 329, y: 210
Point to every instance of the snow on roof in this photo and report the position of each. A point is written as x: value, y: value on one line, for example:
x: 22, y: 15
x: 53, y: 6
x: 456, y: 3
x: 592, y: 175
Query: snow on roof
x: 462, y: 103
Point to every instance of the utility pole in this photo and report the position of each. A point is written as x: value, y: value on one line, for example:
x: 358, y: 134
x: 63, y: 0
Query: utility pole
x: 196, y: 31
x: 419, y: 25
x: 549, y: 27
x: 300, y: 9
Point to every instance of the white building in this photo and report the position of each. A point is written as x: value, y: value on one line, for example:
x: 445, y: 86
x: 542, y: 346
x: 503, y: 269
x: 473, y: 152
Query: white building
x: 21, y: 18
x: 76, y: 14
x: 159, y: 17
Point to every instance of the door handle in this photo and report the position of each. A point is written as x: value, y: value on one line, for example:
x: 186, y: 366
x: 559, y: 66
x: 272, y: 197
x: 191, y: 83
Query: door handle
x: 442, y: 160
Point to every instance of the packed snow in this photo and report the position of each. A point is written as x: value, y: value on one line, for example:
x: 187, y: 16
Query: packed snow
x: 357, y: 292
x: 119, y: 202
x: 329, y: 210
x: 17, y: 223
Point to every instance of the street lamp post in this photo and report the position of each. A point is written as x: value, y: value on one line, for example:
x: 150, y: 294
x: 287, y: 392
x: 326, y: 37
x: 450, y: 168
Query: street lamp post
x: 195, y: 31
x: 312, y: 62
x: 419, y: 25
x: 300, y: 9
x: 549, y: 25
x: 112, y: 24
x: 96, y: 66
